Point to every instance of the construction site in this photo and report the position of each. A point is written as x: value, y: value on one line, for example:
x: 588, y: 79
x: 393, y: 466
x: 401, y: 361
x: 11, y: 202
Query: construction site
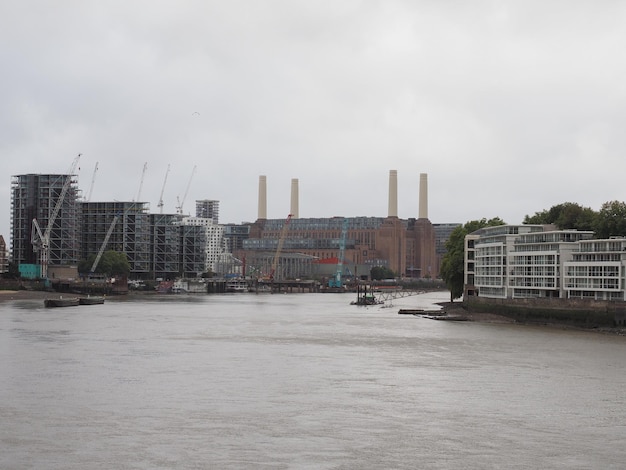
x: 53, y: 228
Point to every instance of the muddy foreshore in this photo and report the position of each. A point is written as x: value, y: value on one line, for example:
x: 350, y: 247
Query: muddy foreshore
x: 457, y: 311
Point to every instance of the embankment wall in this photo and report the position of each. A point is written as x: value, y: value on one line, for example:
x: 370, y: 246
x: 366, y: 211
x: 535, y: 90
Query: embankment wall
x: 576, y: 312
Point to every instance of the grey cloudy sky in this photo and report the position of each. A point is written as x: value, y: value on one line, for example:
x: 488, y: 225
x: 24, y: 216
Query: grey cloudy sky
x: 510, y: 107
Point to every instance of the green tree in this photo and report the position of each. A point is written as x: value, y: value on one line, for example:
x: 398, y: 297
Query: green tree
x: 452, y: 265
x: 611, y: 220
x: 13, y: 271
x: 378, y: 273
x: 567, y: 215
x: 112, y: 263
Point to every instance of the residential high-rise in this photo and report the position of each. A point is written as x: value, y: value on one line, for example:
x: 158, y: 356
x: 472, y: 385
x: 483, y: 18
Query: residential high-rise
x: 208, y: 209
x: 35, y: 197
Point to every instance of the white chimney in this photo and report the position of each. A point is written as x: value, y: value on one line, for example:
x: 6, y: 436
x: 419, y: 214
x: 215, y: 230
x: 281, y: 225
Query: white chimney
x: 423, y: 203
x: 294, y: 199
x: 393, y: 194
x: 262, y: 197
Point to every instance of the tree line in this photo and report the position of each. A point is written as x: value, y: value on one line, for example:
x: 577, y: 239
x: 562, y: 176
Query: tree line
x: 609, y: 221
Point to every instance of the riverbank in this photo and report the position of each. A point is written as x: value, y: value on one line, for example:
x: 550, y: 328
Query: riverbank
x: 24, y: 295
x: 455, y: 311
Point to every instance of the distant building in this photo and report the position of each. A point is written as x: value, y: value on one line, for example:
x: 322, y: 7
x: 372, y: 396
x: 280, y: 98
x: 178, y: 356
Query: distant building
x: 202, y: 245
x: 208, y: 209
x: 4, y: 256
x: 234, y: 236
x: 442, y: 235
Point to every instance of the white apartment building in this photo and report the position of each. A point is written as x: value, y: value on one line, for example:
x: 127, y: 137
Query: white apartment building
x: 486, y: 259
x: 536, y: 261
x: 597, y: 270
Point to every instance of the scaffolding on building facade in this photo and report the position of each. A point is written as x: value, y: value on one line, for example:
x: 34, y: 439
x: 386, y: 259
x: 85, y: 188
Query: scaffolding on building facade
x: 130, y: 235
x: 166, y: 244
x: 193, y: 241
x: 34, y: 197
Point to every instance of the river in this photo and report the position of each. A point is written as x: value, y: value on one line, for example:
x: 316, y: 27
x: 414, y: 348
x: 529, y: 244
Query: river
x: 301, y: 381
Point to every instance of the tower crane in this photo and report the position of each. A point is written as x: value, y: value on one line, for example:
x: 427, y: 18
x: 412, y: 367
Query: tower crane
x: 279, y: 248
x: 179, y: 209
x: 41, y: 241
x: 143, y: 174
x: 93, y: 179
x: 160, y: 204
x: 104, y: 244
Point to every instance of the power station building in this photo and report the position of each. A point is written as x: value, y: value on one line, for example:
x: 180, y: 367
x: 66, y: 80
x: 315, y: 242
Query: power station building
x: 407, y: 247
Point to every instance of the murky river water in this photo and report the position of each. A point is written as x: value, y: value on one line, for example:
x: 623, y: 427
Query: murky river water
x: 301, y: 381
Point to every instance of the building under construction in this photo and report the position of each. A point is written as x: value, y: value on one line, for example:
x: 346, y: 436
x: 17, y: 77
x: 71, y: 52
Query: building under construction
x: 127, y: 227
x: 166, y: 245
x: 37, y: 197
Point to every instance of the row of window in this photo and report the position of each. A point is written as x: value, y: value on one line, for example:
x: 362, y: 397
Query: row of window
x: 582, y: 283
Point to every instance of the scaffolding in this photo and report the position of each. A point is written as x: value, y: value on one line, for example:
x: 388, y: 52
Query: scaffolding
x: 193, y: 253
x: 34, y: 196
x: 130, y: 235
x: 166, y: 243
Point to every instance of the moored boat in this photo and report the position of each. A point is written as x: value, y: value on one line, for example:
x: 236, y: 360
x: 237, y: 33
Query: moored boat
x: 237, y: 285
x: 62, y: 302
x: 367, y: 299
x: 91, y: 300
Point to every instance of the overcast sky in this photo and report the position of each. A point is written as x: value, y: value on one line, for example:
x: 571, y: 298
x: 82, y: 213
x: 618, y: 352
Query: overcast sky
x: 509, y: 107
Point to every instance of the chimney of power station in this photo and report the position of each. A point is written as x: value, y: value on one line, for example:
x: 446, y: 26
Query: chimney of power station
x: 393, y: 194
x: 294, y: 198
x: 262, y: 197
x: 423, y: 203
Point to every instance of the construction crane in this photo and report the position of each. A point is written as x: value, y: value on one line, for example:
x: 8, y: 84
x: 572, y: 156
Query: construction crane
x: 143, y: 175
x: 93, y: 179
x: 279, y: 248
x: 104, y: 244
x: 179, y: 209
x: 41, y: 240
x: 336, y: 280
x: 160, y: 204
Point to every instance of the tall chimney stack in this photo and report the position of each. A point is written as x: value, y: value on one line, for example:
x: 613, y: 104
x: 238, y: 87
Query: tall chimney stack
x: 262, y: 197
x: 294, y: 199
x: 423, y: 203
x: 393, y: 194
